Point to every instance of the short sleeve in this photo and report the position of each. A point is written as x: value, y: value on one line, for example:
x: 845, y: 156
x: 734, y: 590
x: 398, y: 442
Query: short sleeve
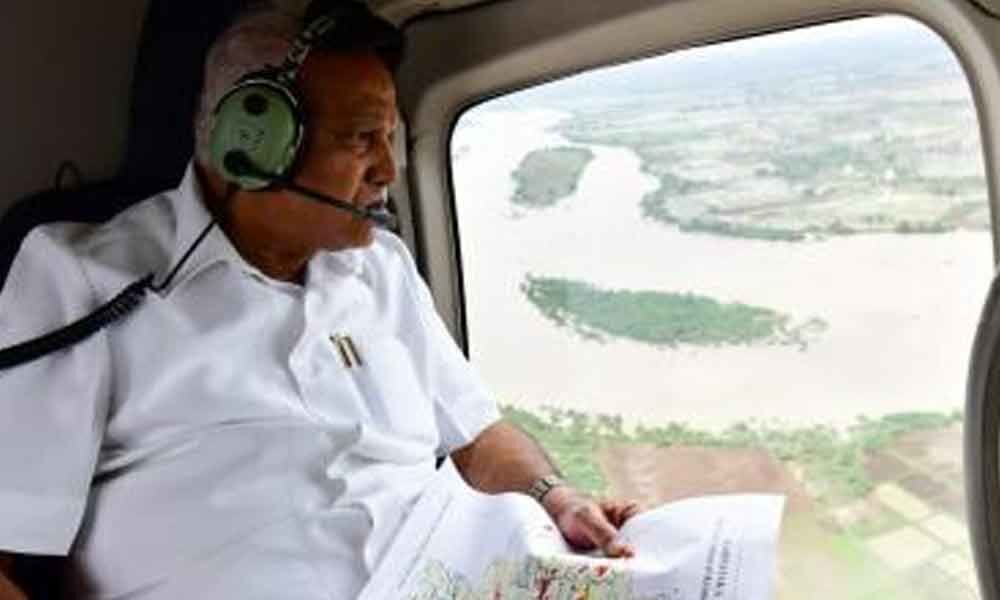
x: 463, y: 406
x: 52, y: 410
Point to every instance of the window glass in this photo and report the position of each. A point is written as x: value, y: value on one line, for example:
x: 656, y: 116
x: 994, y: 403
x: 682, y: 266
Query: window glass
x: 755, y: 266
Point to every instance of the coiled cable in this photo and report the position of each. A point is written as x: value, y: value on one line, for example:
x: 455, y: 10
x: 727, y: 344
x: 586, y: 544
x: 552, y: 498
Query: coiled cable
x: 113, y: 311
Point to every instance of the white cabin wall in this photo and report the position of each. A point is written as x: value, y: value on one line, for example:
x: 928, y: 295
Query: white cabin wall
x: 68, y: 68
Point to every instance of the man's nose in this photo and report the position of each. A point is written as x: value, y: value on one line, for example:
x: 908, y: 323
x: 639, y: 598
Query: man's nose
x: 383, y: 168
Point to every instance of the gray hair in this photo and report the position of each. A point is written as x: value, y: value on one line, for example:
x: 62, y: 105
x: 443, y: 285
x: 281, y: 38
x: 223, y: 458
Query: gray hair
x: 259, y: 37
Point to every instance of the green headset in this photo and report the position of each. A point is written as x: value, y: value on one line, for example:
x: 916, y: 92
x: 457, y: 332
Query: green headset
x: 259, y: 123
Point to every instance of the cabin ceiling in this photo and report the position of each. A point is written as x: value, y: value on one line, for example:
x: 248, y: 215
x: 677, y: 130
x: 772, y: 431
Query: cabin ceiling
x: 990, y: 6
x: 400, y: 11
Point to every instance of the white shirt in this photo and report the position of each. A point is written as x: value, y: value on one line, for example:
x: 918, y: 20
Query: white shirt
x: 217, y: 444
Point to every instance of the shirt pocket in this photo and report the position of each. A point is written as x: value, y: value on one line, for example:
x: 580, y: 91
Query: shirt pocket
x: 386, y: 377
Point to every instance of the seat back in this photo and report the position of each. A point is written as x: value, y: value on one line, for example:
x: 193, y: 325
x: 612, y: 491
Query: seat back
x: 167, y: 79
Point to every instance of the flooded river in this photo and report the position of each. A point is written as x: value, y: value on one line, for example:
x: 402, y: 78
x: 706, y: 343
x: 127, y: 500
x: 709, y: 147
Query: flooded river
x: 900, y: 309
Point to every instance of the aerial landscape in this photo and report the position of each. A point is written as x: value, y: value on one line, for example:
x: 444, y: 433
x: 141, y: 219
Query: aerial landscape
x: 777, y: 250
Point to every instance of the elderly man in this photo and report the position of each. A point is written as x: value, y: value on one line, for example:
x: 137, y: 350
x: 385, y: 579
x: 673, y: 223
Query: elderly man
x: 261, y: 425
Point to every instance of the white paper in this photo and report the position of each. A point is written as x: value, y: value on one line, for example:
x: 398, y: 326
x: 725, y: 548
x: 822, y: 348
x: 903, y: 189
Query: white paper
x: 459, y: 544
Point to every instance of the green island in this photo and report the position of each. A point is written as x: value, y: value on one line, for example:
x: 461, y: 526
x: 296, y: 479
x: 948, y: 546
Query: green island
x: 546, y: 176
x: 660, y: 318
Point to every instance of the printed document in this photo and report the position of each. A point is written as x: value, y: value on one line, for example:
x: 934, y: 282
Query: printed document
x: 459, y: 544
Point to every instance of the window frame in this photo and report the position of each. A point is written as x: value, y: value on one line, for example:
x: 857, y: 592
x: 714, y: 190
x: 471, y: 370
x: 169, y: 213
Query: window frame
x: 442, y: 85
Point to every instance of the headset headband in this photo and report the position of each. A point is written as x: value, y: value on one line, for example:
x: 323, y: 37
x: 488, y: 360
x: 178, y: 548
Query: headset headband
x: 301, y: 46
x: 260, y: 122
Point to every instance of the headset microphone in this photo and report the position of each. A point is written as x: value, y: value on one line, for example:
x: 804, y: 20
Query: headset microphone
x: 239, y: 164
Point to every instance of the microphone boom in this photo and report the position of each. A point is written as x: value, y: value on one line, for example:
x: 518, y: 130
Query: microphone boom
x: 239, y: 164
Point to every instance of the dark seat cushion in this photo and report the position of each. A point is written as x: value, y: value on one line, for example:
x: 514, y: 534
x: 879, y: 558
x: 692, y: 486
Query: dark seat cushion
x: 93, y: 203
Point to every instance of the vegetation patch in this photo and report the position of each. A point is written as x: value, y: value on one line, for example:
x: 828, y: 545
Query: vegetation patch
x: 656, y: 205
x: 546, y: 176
x: 662, y: 319
x: 833, y: 461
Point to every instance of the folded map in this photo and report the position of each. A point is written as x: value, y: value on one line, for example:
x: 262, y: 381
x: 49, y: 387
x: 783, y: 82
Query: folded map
x: 460, y: 544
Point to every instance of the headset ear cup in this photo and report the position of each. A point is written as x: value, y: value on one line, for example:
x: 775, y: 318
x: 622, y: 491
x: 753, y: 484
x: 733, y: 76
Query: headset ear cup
x: 261, y: 119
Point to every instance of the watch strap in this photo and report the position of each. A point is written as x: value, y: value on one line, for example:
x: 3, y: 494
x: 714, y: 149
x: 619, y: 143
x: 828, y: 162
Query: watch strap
x: 543, y: 485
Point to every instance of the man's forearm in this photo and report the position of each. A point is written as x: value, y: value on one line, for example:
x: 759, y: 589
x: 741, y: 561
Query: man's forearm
x: 503, y: 459
x: 8, y: 591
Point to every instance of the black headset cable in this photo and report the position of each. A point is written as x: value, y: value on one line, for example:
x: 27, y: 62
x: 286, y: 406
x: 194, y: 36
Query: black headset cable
x: 161, y: 287
x: 113, y: 311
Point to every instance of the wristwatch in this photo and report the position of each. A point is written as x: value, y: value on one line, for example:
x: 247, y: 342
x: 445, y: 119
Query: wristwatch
x: 543, y: 485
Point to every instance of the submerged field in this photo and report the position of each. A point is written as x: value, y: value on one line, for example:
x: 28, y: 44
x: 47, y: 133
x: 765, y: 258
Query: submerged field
x: 839, y: 149
x: 549, y: 175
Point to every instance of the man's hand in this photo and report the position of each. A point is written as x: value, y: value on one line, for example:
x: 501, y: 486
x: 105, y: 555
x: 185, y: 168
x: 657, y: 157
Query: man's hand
x: 587, y: 524
x: 503, y: 458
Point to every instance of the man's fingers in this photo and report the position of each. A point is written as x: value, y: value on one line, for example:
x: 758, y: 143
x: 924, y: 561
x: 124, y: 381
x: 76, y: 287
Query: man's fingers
x: 629, y: 510
x: 588, y: 524
x: 613, y: 512
x: 618, y: 512
x: 603, y: 534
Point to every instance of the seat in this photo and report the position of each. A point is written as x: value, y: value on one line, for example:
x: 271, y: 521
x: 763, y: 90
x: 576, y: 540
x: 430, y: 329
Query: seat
x: 167, y: 79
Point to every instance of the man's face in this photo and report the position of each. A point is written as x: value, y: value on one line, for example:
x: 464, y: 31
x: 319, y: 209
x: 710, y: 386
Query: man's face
x: 350, y: 108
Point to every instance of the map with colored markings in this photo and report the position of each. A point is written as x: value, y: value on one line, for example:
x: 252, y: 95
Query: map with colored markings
x: 459, y: 544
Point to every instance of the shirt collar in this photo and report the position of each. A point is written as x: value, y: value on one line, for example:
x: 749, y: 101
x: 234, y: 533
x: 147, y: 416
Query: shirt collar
x: 191, y: 219
x: 350, y: 261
